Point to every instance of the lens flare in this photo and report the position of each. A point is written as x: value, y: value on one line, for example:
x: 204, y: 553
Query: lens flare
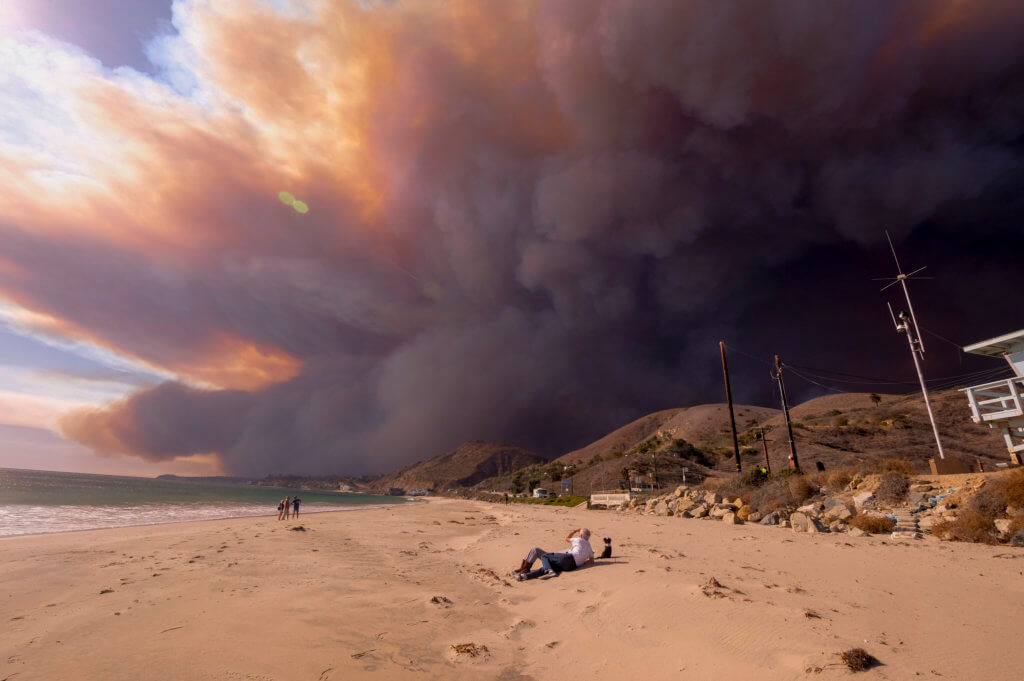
x: 300, y: 207
x: 286, y: 198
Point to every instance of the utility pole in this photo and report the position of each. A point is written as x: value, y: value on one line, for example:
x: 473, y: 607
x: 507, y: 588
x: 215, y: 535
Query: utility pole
x: 732, y: 416
x: 913, y: 336
x: 764, y: 444
x: 794, y: 462
x: 903, y: 326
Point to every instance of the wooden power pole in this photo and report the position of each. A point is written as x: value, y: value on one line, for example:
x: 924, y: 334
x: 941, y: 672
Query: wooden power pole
x: 732, y: 416
x: 793, y: 461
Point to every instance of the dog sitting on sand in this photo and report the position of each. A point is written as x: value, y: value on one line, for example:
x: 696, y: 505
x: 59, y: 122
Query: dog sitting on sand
x: 607, y: 553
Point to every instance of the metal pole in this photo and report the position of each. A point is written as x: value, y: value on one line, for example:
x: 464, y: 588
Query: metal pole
x: 794, y: 462
x: 764, y: 444
x: 732, y: 417
x: 920, y: 376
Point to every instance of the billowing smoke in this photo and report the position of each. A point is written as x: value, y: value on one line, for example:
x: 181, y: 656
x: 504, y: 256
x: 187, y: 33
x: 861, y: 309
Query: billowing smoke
x: 528, y: 222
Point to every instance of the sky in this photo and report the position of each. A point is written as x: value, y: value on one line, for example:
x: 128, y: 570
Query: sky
x: 282, y: 236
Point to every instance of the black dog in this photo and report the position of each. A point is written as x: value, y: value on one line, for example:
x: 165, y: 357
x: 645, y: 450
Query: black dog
x: 607, y: 553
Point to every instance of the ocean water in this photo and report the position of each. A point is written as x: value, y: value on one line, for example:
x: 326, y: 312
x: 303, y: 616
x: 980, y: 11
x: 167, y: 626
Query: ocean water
x: 39, y: 502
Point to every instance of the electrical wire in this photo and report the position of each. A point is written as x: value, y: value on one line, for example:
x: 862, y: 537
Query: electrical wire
x: 824, y: 375
x: 733, y: 348
x: 820, y: 385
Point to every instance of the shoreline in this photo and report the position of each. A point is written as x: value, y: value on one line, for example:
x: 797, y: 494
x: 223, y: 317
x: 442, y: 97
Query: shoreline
x: 250, y: 598
x: 342, y: 509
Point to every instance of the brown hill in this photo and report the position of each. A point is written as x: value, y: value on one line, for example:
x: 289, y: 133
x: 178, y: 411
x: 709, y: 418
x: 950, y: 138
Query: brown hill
x: 839, y: 430
x: 467, y: 465
x: 848, y: 428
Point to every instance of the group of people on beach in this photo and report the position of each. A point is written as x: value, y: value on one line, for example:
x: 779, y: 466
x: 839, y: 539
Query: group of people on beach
x: 286, y: 506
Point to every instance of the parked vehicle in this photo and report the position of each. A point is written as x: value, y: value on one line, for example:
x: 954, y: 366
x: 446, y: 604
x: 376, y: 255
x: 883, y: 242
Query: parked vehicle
x: 540, y: 493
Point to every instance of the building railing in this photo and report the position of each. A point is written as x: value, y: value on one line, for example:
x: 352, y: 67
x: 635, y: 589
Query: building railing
x: 996, y: 401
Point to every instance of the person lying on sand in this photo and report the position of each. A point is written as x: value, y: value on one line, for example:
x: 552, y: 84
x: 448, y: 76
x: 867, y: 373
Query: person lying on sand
x: 578, y: 555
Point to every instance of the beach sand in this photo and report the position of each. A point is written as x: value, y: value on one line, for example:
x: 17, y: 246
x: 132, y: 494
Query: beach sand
x: 351, y: 598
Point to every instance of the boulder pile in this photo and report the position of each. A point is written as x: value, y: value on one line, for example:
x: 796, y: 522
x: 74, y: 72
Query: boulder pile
x: 926, y: 504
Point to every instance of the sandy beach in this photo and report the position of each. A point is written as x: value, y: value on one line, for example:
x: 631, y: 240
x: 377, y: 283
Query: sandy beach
x: 352, y: 596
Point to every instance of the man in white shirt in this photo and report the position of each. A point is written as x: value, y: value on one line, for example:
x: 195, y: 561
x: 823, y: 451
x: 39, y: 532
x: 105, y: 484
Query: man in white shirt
x: 579, y: 554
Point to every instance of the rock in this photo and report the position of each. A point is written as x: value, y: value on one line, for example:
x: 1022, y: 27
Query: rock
x: 754, y: 517
x: 810, y: 509
x: 744, y: 512
x: 838, y: 526
x: 770, y: 519
x: 917, y: 498
x: 1014, y: 511
x: 857, y: 532
x: 1017, y: 539
x: 731, y: 519
x: 836, y: 509
x: 700, y: 512
x: 712, y: 498
x: 862, y: 500
x: 681, y: 490
x: 921, y: 488
x: 673, y: 506
x: 1003, y: 525
x: 906, y: 534
x: 927, y: 522
x: 783, y: 523
x: 684, y: 514
x: 802, y: 522
x: 720, y: 510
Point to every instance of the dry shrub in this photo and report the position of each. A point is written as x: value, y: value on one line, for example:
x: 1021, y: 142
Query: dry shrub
x: 1012, y: 488
x: 858, y: 659
x: 801, y: 488
x: 893, y: 466
x: 1016, y: 525
x: 772, y: 496
x: 970, y: 526
x: 975, y: 523
x: 714, y: 484
x: 817, y: 479
x: 875, y: 524
x: 893, y: 488
x: 838, y: 480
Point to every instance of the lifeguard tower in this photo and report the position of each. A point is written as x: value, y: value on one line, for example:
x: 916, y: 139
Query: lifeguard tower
x: 1000, y: 404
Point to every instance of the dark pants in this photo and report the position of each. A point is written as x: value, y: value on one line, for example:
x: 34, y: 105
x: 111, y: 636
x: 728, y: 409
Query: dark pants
x: 552, y: 562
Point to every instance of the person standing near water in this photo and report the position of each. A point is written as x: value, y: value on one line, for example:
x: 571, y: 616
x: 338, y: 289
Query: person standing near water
x: 280, y: 509
x: 295, y: 504
x: 287, y: 507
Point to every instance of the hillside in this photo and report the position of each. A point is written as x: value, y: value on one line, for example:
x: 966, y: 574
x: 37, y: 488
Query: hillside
x: 838, y: 430
x: 467, y: 465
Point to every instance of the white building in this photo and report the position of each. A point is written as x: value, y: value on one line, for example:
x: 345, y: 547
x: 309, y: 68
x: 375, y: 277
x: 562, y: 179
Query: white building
x: 1000, y: 404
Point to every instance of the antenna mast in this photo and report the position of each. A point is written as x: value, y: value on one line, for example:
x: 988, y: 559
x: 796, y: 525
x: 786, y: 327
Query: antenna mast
x: 903, y: 323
